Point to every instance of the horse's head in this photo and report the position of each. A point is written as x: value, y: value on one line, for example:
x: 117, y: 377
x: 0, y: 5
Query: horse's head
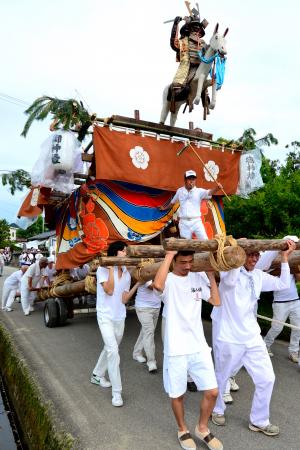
x: 218, y: 42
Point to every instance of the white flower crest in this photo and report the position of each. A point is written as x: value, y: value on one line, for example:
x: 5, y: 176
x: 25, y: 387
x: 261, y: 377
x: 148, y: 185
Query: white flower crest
x: 140, y: 158
x: 211, y: 171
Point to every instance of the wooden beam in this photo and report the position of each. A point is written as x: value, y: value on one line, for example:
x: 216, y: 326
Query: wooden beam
x: 117, y: 261
x: 201, y: 263
x: 87, y: 157
x: 146, y: 251
x: 212, y: 245
x: 154, y: 127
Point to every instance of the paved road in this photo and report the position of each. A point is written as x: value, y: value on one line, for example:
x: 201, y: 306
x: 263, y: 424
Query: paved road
x: 61, y: 359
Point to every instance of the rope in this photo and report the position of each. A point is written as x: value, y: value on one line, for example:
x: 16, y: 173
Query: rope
x: 217, y: 259
x: 60, y: 280
x: 294, y: 327
x: 144, y: 263
x: 89, y: 284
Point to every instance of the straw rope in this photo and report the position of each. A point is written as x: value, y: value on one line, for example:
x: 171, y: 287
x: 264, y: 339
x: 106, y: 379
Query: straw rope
x: 61, y: 279
x: 144, y: 263
x: 217, y: 259
x: 89, y: 284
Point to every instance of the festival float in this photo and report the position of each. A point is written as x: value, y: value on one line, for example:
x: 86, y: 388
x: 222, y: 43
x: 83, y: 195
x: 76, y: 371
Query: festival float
x: 132, y: 168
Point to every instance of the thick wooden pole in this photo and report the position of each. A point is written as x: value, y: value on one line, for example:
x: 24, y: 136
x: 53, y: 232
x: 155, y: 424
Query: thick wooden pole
x: 105, y: 261
x: 146, y: 251
x: 212, y: 245
x: 294, y: 263
x: 159, y: 251
x: 201, y: 264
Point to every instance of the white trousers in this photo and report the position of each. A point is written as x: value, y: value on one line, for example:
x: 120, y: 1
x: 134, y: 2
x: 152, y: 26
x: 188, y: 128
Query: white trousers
x: 148, y: 318
x: 188, y: 227
x: 215, y: 352
x: 112, y: 332
x: 1, y: 269
x: 282, y: 311
x: 258, y: 365
x: 27, y: 299
x: 8, y: 296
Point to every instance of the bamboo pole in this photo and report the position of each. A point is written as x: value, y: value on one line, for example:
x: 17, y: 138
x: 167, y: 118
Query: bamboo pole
x: 212, y: 245
x: 205, y: 167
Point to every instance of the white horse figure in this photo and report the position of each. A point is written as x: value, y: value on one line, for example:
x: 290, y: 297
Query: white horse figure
x: 217, y: 46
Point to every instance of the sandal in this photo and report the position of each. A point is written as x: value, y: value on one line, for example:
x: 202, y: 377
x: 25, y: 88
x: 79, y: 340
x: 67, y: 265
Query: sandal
x: 186, y: 441
x: 209, y: 439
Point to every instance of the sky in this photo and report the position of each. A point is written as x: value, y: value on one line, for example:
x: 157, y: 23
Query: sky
x: 115, y: 56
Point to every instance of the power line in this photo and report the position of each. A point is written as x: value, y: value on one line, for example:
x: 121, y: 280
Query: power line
x: 13, y: 100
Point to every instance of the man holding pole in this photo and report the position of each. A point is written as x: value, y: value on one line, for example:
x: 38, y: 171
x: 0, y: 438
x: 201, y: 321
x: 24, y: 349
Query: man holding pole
x: 189, y: 197
x: 31, y: 283
x: 237, y: 338
x: 185, y: 347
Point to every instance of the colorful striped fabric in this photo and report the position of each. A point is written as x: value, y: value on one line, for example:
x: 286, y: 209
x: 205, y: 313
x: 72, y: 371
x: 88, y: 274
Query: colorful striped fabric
x: 104, y: 211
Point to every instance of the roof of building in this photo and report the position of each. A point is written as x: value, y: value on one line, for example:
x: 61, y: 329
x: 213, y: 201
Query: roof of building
x: 42, y: 236
x: 14, y: 225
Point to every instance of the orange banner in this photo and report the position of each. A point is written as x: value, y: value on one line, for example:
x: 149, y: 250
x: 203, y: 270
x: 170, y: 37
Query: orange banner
x: 150, y: 162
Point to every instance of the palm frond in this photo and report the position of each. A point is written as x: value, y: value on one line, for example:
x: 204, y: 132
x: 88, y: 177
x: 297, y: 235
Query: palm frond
x: 68, y: 113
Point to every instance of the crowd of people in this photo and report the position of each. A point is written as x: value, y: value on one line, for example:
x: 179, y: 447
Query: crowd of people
x: 30, y: 256
x: 5, y: 258
x: 35, y: 272
x: 188, y: 360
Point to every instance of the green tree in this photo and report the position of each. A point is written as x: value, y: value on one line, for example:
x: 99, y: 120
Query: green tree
x: 271, y: 211
x: 35, y: 228
x: 248, y: 140
x: 4, y: 234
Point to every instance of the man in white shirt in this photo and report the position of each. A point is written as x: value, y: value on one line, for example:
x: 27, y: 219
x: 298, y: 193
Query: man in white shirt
x: 30, y: 284
x: 113, y: 292
x: 190, y: 198
x: 185, y: 347
x: 286, y: 304
x: 147, y: 307
x: 237, y: 338
x: 11, y: 286
x: 38, y: 255
x: 50, y: 271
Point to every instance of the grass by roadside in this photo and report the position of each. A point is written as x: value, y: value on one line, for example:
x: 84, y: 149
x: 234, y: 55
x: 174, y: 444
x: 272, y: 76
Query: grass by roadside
x: 35, y: 414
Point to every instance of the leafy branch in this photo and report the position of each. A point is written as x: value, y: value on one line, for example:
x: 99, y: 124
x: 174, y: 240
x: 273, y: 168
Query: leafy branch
x: 69, y: 114
x: 17, y: 180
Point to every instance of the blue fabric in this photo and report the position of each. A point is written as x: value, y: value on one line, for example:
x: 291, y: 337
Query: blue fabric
x: 207, y: 60
x: 220, y: 71
x: 142, y: 213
